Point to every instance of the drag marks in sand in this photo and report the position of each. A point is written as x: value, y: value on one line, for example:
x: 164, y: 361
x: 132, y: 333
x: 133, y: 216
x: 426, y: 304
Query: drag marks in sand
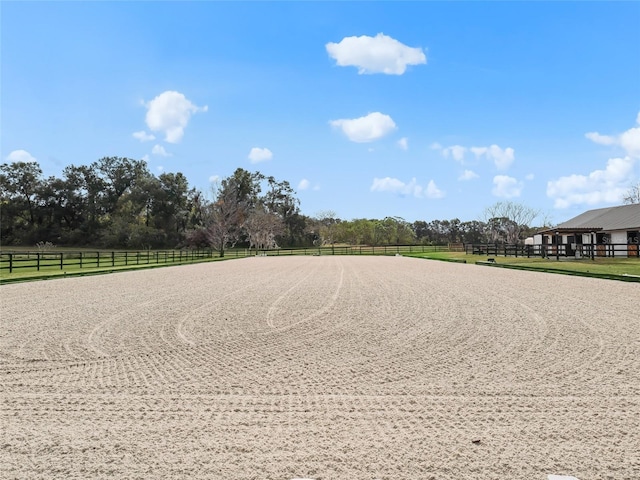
x: 323, y: 368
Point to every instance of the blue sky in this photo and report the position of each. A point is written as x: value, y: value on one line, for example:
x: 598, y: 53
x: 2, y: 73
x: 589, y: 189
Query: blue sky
x: 423, y: 110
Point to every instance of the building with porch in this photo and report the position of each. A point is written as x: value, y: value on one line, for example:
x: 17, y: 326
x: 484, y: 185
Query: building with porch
x: 603, y: 232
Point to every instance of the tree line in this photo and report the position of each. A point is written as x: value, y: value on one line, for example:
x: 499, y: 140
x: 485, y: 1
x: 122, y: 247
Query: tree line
x: 117, y: 202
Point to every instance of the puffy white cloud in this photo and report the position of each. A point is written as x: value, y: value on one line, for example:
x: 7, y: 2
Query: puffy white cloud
x: 159, y: 150
x: 467, y: 175
x: 366, y: 129
x: 143, y: 136
x: 379, y: 54
x: 304, y: 184
x: 394, y: 185
x: 600, y: 186
x: 507, y: 187
x: 257, y: 155
x: 20, y: 156
x: 455, y: 151
x: 403, y: 143
x: 433, y: 191
x: 169, y: 113
x: 628, y: 140
x: 502, y: 158
x: 601, y: 139
x: 214, y: 178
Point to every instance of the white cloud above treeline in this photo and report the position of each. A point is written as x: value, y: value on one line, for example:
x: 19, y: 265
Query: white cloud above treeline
x: 257, y: 155
x: 467, y: 175
x: 502, y: 158
x: 403, y: 143
x: 169, y: 113
x: 365, y: 129
x: 505, y: 186
x: 600, y: 186
x: 379, y: 54
x: 143, y: 136
x: 606, y: 185
x: 628, y: 140
x: 20, y: 156
x: 159, y: 150
x: 412, y: 188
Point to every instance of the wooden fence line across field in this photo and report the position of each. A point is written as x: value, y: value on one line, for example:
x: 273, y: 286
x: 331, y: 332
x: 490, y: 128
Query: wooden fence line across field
x: 37, y: 261
x: 553, y: 250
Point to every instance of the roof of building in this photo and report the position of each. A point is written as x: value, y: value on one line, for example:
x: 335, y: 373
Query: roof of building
x: 624, y: 217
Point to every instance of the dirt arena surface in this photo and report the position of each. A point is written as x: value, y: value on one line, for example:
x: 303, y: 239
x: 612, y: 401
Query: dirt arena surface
x: 320, y: 367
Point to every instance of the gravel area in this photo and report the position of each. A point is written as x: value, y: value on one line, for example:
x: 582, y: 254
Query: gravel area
x: 320, y: 367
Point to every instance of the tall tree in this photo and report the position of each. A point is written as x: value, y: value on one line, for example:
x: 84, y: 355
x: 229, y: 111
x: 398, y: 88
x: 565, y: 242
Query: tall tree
x: 632, y: 195
x: 20, y: 183
x: 507, y: 220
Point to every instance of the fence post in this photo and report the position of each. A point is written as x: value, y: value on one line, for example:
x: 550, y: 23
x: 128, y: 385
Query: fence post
x: 61, y: 262
x: 98, y: 260
x: 113, y: 259
x: 80, y: 260
x: 11, y: 263
x: 126, y: 258
x: 38, y: 261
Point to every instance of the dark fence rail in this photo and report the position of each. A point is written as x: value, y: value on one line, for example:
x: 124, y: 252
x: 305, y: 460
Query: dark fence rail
x: 20, y: 261
x: 24, y: 261
x: 562, y: 250
x: 354, y: 250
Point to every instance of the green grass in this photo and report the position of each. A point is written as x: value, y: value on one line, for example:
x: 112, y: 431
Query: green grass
x: 25, y: 262
x: 50, y: 267
x: 599, y: 266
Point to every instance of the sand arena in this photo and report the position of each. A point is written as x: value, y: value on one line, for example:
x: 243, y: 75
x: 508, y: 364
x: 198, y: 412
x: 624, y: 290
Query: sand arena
x: 320, y: 367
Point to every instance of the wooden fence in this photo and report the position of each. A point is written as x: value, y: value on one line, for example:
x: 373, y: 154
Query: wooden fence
x: 20, y: 261
x: 562, y: 250
x: 25, y: 261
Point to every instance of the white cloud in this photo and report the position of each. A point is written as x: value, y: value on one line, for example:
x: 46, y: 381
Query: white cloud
x: 159, y: 150
x: 433, y: 191
x: 394, y: 185
x: 501, y: 158
x: 20, y: 156
x: 468, y: 175
x: 507, y: 187
x: 379, y: 54
x: 160, y: 168
x: 257, y: 155
x: 628, y: 140
x: 365, y: 129
x: 403, y: 143
x: 600, y: 186
x: 169, y: 113
x: 601, y: 139
x: 304, y: 184
x: 454, y: 151
x: 143, y: 136
x: 214, y: 178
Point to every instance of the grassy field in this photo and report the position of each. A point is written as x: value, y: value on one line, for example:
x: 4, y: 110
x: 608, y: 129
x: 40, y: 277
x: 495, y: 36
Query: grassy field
x: 603, y: 265
x: 50, y: 262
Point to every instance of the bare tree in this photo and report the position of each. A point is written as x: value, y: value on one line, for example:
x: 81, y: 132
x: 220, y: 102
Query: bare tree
x: 327, y: 226
x: 223, y: 220
x: 507, y: 220
x: 632, y: 195
x: 262, y: 228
